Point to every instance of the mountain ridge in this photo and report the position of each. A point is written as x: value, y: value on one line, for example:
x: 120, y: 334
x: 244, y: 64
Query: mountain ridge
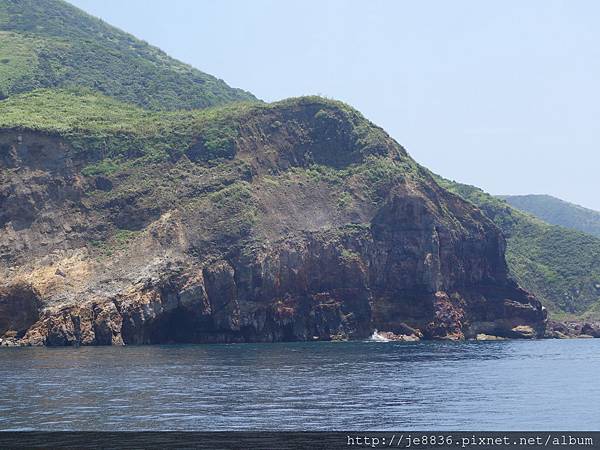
x: 557, y: 211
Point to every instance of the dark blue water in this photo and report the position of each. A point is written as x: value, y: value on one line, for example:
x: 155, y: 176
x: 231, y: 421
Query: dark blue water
x: 507, y: 385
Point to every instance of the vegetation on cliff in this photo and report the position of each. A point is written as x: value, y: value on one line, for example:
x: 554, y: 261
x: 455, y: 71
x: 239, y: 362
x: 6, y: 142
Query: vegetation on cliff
x: 50, y: 44
x: 159, y: 159
x: 113, y: 134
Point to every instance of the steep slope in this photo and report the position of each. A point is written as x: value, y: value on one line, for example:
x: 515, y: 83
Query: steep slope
x: 560, y: 266
x: 50, y: 43
x: 292, y: 221
x: 557, y: 212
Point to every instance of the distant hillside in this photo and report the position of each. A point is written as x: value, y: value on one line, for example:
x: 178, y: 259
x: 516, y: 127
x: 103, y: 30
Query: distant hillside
x: 560, y: 266
x: 50, y: 43
x: 557, y: 212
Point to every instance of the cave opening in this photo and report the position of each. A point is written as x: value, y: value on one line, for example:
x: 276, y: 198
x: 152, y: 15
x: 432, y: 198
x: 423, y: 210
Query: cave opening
x: 19, y: 309
x: 178, y: 326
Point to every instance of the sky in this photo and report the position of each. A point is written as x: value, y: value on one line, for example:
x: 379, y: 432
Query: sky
x: 501, y: 94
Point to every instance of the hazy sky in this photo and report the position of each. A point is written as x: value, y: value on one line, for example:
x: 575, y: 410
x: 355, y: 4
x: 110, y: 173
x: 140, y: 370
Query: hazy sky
x: 500, y: 94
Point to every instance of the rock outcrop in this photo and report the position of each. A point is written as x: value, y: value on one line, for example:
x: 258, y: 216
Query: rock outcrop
x: 572, y: 329
x: 313, y: 224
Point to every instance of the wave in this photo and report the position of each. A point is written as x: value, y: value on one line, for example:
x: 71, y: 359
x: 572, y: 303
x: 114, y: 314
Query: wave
x: 376, y: 337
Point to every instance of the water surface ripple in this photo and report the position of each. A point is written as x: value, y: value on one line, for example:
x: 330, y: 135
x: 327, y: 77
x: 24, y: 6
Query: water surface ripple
x: 506, y: 385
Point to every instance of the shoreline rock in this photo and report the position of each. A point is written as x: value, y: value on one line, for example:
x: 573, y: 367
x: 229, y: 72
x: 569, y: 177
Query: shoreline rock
x: 572, y: 329
x: 489, y: 337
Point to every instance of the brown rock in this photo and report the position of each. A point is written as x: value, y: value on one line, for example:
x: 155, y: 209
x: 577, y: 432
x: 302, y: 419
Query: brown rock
x: 254, y: 248
x: 488, y: 337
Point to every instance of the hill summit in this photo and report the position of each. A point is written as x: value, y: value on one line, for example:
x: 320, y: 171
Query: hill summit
x: 52, y: 44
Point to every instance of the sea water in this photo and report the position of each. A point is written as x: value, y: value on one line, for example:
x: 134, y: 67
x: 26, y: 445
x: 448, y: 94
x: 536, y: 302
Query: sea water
x: 500, y: 385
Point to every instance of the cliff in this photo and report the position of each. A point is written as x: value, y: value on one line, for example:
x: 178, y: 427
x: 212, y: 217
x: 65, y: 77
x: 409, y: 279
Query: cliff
x: 298, y: 220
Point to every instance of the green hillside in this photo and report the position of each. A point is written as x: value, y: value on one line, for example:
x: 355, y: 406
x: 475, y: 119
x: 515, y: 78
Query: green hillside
x: 50, y: 43
x: 557, y: 212
x: 560, y: 266
x: 115, y: 136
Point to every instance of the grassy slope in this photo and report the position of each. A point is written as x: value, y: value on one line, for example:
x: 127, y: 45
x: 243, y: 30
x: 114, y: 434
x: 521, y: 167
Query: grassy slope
x: 110, y: 130
x: 49, y: 43
x: 89, y: 120
x: 560, y: 266
x: 557, y: 212
x: 139, y: 150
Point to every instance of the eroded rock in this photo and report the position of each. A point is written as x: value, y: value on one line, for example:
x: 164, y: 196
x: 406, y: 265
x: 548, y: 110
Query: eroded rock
x: 19, y: 305
x: 572, y: 329
x: 319, y: 228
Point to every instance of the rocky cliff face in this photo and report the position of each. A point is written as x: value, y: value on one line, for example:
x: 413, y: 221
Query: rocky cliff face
x: 311, y: 223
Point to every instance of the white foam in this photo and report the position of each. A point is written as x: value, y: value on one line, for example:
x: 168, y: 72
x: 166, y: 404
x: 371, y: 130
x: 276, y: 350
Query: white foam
x: 376, y: 337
